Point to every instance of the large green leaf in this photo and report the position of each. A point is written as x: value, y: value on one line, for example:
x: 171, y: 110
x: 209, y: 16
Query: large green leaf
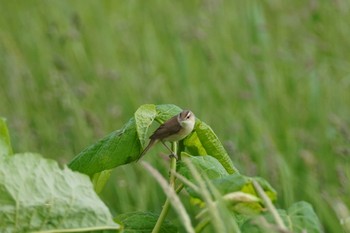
x: 300, y: 217
x: 36, y: 195
x: 5, y: 143
x: 118, y: 148
x: 143, y: 222
x: 144, y: 117
x: 122, y: 146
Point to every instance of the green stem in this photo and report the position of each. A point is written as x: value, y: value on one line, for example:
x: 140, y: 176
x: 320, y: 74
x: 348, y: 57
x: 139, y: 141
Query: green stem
x: 172, y: 178
x: 202, y: 224
x: 173, y: 165
x: 270, y: 207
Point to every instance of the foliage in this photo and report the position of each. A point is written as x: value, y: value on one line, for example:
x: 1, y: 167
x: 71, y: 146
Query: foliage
x: 216, y: 170
x: 143, y: 222
x: 123, y: 146
x: 37, y: 196
x: 271, y: 78
x: 298, y: 217
x: 62, y: 200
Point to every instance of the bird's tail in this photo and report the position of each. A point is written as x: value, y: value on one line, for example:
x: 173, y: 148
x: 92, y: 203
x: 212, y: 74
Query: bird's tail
x: 150, y: 144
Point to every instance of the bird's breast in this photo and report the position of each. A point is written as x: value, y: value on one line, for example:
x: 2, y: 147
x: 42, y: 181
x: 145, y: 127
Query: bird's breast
x: 185, y: 130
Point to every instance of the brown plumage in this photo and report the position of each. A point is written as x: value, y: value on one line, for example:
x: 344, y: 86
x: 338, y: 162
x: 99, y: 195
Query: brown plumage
x: 167, y: 129
x: 175, y: 129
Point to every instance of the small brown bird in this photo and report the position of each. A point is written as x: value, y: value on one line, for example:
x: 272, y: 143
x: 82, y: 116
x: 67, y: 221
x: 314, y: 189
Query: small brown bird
x: 175, y: 129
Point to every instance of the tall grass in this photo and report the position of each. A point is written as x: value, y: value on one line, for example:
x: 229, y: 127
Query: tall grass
x: 270, y: 77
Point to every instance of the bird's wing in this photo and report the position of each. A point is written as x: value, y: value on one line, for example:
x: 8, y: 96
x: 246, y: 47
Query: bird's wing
x: 170, y: 127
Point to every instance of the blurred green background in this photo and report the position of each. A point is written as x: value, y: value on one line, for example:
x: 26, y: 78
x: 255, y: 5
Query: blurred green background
x: 271, y: 77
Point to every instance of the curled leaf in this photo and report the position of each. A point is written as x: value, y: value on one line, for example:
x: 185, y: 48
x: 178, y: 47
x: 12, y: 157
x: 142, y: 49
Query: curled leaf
x: 144, y: 116
x: 213, y: 146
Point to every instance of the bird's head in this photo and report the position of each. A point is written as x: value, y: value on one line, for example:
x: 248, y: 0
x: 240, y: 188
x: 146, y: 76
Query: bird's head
x: 186, y: 119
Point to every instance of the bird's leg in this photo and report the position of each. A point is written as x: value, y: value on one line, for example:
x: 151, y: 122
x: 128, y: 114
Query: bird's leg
x: 172, y: 153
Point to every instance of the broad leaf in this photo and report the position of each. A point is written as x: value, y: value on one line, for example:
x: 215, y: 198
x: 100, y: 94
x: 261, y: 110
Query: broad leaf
x: 36, y: 195
x: 122, y: 146
x: 118, y: 148
x: 143, y: 222
x: 144, y: 117
x: 303, y: 216
x: 299, y: 218
x: 5, y: 143
x: 207, y: 166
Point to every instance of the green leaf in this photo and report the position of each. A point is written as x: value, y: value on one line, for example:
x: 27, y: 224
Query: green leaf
x: 118, y: 148
x: 5, y: 142
x: 143, y: 222
x: 268, y: 189
x: 100, y: 179
x: 194, y: 145
x: 231, y: 183
x: 166, y: 111
x: 213, y: 146
x: 144, y: 116
x: 237, y: 182
x: 206, y: 165
x: 224, y: 182
x: 300, y: 217
x: 122, y: 146
x: 303, y: 216
x: 203, y: 141
x: 36, y: 195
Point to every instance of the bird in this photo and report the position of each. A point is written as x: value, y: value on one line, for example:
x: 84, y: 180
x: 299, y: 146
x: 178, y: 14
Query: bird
x: 174, y: 129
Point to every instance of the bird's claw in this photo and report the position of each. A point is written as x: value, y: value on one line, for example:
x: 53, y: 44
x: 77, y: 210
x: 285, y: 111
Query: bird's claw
x: 174, y: 156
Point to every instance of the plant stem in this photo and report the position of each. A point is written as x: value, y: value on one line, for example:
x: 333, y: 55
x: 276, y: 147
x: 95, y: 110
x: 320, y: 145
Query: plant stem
x: 173, y: 165
x: 166, y: 205
x: 162, y: 216
x: 270, y: 207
